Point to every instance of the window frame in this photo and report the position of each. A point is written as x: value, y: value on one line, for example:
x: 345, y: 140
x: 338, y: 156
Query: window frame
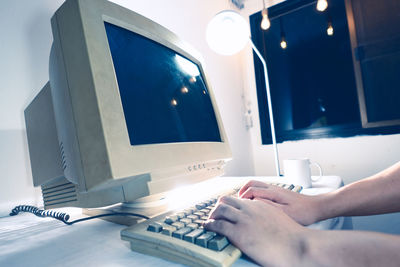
x: 364, y: 127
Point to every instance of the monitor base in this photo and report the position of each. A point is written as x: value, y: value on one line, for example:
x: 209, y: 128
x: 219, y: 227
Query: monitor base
x: 147, y: 208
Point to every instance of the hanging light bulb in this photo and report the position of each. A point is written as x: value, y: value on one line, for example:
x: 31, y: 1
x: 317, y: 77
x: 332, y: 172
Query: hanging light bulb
x: 322, y: 5
x: 265, y: 23
x: 283, y: 39
x: 329, y: 30
x: 283, y: 42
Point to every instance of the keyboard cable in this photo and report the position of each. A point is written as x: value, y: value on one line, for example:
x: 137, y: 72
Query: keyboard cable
x: 64, y: 217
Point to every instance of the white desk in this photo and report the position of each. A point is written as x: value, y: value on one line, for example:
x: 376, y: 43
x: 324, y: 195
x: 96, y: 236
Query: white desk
x: 26, y: 240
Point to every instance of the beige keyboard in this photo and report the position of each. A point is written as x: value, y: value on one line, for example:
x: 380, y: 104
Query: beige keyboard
x: 180, y: 237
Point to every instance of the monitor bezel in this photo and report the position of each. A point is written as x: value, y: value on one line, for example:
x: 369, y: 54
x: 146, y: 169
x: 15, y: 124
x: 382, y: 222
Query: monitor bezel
x: 125, y: 160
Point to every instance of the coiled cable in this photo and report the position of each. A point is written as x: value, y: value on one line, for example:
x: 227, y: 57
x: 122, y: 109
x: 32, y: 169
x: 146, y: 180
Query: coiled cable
x: 64, y: 217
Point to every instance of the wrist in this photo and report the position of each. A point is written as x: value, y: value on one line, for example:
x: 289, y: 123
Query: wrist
x: 326, y: 206
x: 293, y: 249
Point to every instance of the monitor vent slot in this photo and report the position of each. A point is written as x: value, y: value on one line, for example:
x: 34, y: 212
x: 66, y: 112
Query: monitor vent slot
x: 63, y: 158
x: 60, y: 194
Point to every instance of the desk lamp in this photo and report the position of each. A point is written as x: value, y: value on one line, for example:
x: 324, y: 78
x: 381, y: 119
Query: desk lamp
x: 227, y: 34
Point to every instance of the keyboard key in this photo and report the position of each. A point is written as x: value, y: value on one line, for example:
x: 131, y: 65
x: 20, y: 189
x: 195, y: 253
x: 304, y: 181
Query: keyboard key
x: 199, y: 222
x: 204, y: 238
x: 171, y: 219
x: 185, y: 221
x: 178, y: 225
x: 181, y: 232
x: 218, y: 243
x: 192, y: 225
x: 155, y: 227
x: 168, y: 229
x: 199, y: 213
x: 205, y: 211
x: 192, y: 209
x: 291, y: 187
x: 180, y: 215
x: 189, y: 211
x: 192, y: 217
x: 208, y: 202
x: 297, y: 188
x: 286, y: 186
x: 191, y: 237
x: 201, y: 205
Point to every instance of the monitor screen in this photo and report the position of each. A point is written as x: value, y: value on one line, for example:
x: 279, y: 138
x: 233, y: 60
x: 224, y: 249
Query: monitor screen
x: 163, y: 94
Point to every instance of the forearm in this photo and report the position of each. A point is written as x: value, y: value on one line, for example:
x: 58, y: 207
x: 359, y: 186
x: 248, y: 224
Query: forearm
x: 350, y: 248
x: 375, y: 195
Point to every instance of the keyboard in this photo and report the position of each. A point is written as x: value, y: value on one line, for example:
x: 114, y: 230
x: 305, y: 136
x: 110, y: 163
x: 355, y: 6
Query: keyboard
x: 179, y: 236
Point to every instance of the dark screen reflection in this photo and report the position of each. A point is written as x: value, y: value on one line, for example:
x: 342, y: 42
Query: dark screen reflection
x: 163, y: 94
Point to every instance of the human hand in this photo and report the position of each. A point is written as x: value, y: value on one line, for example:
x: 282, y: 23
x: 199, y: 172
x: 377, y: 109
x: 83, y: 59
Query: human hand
x: 261, y: 231
x: 301, y: 208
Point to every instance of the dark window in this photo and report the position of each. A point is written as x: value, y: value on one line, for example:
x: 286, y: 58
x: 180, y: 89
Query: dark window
x: 315, y: 83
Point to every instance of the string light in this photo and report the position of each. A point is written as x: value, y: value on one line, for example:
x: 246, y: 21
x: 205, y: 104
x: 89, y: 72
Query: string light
x: 283, y: 39
x: 329, y: 30
x: 184, y: 90
x: 322, y: 5
x: 283, y: 43
x: 265, y: 23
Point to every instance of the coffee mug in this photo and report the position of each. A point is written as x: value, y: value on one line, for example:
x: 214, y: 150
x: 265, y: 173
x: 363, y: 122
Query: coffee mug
x: 297, y: 171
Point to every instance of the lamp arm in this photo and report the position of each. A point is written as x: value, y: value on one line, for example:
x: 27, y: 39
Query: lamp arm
x: 271, y: 116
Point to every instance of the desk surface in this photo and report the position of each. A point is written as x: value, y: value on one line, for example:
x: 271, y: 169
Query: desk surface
x: 27, y: 240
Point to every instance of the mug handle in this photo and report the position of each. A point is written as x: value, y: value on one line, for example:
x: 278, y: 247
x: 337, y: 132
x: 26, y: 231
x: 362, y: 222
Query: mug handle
x: 320, y: 171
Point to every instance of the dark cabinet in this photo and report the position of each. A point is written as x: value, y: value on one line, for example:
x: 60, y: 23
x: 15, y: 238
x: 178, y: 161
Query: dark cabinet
x: 375, y: 30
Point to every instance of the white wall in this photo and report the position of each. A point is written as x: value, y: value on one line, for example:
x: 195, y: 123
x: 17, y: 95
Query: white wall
x: 25, y: 44
x: 351, y: 158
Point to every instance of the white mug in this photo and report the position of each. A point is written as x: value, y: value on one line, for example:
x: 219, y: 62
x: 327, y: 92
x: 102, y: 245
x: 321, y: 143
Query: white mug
x: 297, y: 171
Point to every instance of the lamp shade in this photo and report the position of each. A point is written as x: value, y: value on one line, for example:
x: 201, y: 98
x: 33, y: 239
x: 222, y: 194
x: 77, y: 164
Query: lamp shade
x: 227, y: 33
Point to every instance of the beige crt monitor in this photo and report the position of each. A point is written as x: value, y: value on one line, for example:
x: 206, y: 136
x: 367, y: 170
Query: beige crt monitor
x: 128, y: 111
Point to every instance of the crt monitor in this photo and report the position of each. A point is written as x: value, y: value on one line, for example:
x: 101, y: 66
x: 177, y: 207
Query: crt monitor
x: 128, y: 111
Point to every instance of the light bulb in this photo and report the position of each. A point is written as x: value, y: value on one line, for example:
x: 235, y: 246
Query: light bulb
x: 227, y: 33
x: 283, y: 43
x: 322, y: 5
x: 184, y: 90
x: 329, y: 30
x: 265, y: 23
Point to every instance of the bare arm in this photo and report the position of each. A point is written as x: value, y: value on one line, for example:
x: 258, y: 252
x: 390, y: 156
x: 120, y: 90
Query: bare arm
x: 377, y: 194
x: 352, y: 248
x: 271, y: 238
